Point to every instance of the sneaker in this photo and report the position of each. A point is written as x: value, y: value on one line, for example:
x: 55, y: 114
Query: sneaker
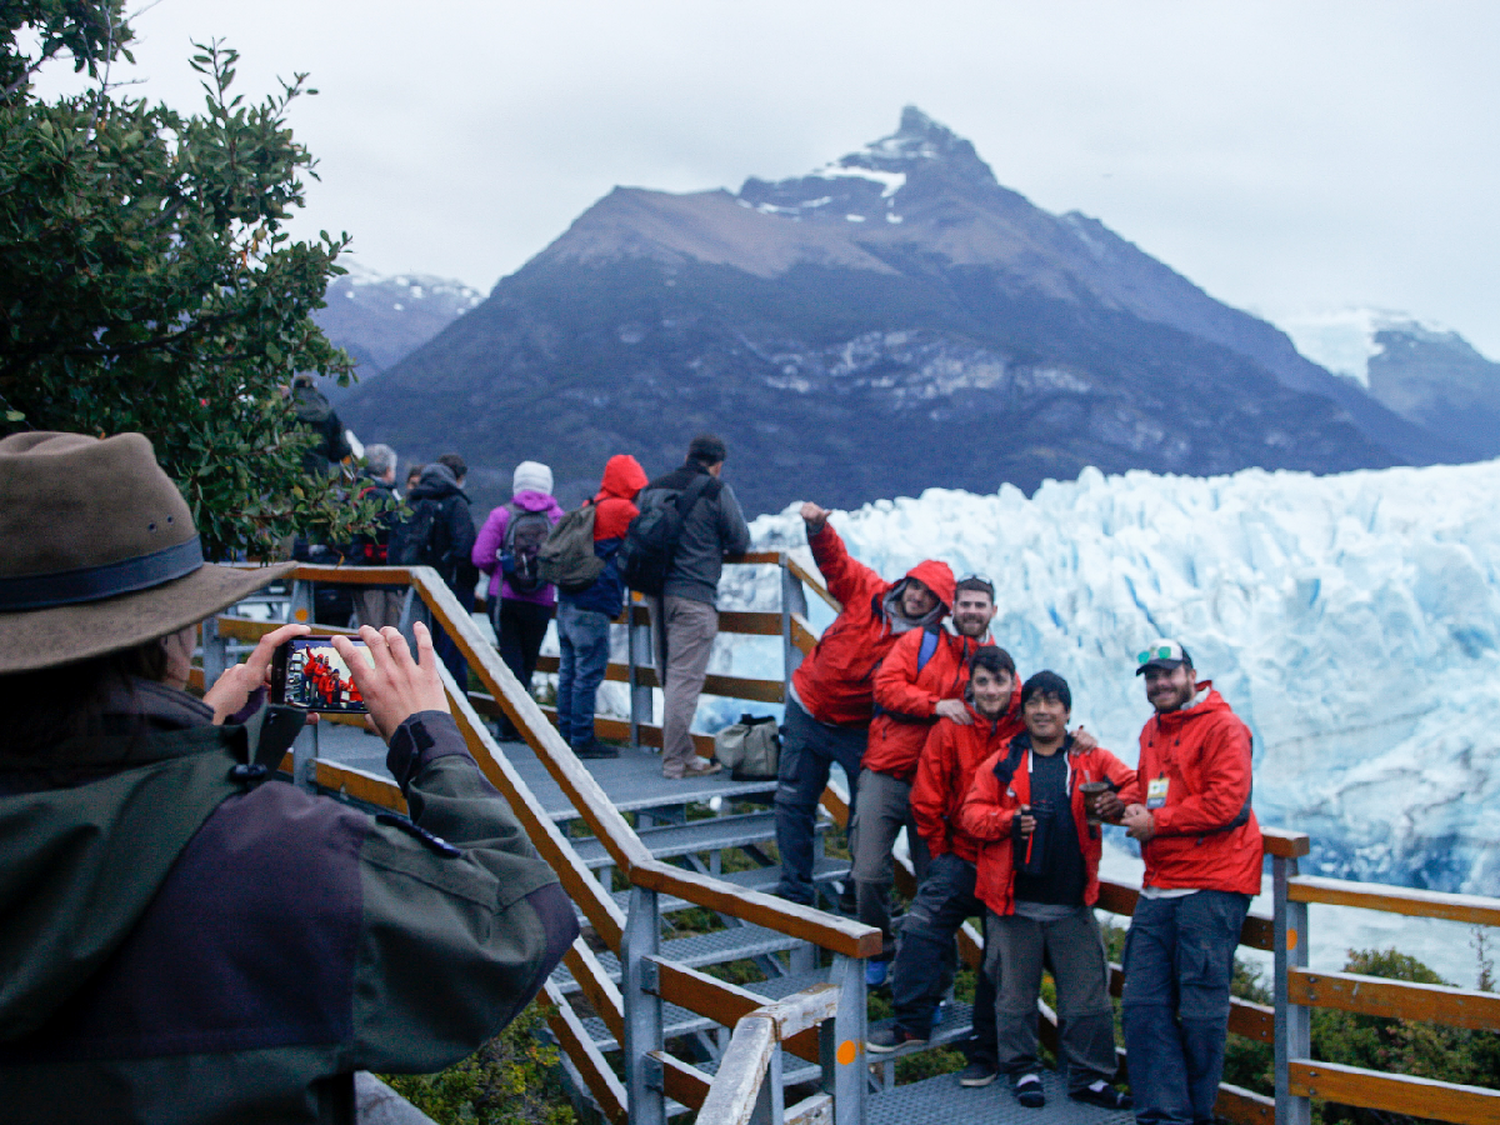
x: 593, y: 748
x: 889, y: 1039
x: 1103, y: 1095
x: 698, y: 767
x: 876, y: 972
x: 1028, y: 1090
x: 977, y: 1074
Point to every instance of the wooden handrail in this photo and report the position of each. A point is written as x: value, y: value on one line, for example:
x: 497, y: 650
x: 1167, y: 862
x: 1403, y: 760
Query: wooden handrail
x: 1473, y: 909
x: 1395, y: 1093
x: 1380, y: 996
x: 732, y: 687
x: 576, y: 1043
x: 736, y: 1087
x: 814, y: 583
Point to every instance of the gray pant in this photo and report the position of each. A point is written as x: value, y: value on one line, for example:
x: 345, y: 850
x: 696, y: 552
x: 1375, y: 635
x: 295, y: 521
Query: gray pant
x: 882, y: 807
x: 379, y: 606
x: 1073, y: 948
x: 684, y: 632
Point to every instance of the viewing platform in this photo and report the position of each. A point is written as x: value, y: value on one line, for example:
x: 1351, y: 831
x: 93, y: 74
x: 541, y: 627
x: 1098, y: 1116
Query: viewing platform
x: 696, y: 994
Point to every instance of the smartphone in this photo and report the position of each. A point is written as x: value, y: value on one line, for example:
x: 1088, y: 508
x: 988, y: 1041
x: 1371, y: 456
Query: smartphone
x: 309, y: 673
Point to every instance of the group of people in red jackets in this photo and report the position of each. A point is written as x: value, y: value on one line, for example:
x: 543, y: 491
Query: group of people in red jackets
x: 1004, y: 806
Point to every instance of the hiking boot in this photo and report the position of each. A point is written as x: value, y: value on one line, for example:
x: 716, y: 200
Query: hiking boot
x: 977, y: 1074
x: 1028, y: 1090
x: 593, y: 748
x: 848, y: 901
x: 889, y: 1039
x: 698, y: 767
x: 1103, y: 1095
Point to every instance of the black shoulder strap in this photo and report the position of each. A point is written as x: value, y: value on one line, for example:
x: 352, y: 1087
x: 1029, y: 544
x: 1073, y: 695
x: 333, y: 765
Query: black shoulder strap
x: 692, y: 493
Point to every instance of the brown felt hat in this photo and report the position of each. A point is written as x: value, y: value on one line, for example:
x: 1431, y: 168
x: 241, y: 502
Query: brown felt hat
x: 98, y: 551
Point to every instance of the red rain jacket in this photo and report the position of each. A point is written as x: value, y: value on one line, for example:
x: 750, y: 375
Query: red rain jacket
x: 905, y: 698
x: 1207, y: 836
x: 1002, y: 784
x: 835, y: 682
x: 945, y: 773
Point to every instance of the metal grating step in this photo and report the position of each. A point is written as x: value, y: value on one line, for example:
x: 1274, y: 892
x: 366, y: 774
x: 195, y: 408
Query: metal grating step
x: 673, y: 840
x: 730, y: 944
x: 942, y: 1101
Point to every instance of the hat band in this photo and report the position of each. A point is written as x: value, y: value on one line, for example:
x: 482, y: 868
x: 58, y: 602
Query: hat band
x: 94, y: 583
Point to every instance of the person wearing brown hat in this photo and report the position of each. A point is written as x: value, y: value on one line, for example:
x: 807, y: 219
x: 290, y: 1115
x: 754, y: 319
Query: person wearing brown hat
x: 181, y: 939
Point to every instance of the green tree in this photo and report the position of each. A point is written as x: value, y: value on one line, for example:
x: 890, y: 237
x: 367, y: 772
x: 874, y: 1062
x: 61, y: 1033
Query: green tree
x: 146, y: 282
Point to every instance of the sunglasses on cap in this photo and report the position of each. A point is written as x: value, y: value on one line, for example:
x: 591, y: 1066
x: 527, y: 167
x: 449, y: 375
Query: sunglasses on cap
x: 974, y: 582
x: 1161, y: 653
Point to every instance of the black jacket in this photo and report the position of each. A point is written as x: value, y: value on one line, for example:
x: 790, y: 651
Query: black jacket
x: 453, y: 530
x: 314, y: 412
x: 714, y: 527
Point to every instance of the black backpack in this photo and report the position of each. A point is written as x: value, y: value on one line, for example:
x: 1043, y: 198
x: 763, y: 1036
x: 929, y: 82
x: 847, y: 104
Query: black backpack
x: 651, y: 539
x: 416, y: 540
x: 567, y: 558
x: 525, y: 532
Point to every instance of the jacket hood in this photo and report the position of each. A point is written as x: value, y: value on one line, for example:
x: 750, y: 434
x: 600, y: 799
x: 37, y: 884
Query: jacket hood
x: 532, y: 501
x: 937, y: 577
x: 437, y: 480
x: 81, y: 862
x: 312, y: 405
x: 623, y: 478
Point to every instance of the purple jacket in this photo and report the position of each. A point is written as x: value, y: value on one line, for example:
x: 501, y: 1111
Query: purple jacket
x: 493, y: 534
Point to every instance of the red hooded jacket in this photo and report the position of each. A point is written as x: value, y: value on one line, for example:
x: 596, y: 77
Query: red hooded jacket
x: 1207, y: 836
x: 835, y: 682
x: 905, y: 697
x: 945, y: 773
x: 1002, y: 784
x: 614, y: 506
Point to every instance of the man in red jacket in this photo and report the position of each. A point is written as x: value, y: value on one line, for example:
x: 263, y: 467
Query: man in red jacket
x: 828, y: 715
x: 945, y: 898
x: 1202, y: 847
x: 1039, y: 876
x: 922, y: 679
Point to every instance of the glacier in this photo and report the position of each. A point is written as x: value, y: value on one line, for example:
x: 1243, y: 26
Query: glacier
x: 1353, y: 621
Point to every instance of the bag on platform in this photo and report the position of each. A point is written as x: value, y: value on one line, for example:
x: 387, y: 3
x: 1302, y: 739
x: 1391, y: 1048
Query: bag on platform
x: 567, y: 559
x: 750, y: 749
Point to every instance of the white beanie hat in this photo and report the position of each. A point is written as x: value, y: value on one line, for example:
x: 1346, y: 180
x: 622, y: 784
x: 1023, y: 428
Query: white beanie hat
x: 531, y: 476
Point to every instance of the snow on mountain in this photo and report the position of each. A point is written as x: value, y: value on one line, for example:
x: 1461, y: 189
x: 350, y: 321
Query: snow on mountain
x: 1344, y: 340
x: 1352, y: 620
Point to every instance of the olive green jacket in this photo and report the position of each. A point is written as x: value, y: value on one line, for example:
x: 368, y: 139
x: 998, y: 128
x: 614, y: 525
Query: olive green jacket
x: 182, y: 940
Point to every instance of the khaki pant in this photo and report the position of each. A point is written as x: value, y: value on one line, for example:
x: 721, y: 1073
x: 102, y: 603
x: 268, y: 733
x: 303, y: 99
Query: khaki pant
x: 882, y: 807
x: 684, y: 632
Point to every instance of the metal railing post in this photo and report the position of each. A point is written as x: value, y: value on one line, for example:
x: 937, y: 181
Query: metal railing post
x: 413, y: 609
x: 215, y: 652
x: 841, y: 1042
x: 641, y: 656
x: 301, y: 605
x: 793, y: 600
x: 1293, y: 1021
x: 305, y: 757
x: 643, y: 1028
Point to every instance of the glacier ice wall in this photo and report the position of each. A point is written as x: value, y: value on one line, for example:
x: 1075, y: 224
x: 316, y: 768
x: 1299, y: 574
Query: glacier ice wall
x: 1353, y: 621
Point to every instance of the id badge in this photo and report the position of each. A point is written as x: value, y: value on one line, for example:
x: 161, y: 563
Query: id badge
x: 1156, y: 792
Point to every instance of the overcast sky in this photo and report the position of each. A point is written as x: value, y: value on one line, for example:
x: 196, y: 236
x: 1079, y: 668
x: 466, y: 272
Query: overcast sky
x: 1287, y: 157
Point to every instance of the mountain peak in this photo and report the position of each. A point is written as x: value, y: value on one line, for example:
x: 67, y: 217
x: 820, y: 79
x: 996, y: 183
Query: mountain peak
x: 918, y: 140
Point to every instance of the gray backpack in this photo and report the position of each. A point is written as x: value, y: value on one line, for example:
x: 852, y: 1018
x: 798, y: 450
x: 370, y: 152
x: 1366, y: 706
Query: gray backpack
x: 750, y: 749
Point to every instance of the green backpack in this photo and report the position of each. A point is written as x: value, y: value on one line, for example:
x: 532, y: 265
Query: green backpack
x: 566, y: 557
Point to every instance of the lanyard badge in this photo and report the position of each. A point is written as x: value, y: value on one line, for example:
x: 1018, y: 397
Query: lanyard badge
x: 1156, y: 792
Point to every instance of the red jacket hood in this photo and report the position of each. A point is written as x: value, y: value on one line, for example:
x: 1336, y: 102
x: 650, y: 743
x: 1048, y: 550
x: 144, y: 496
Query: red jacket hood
x: 623, y: 477
x: 937, y: 577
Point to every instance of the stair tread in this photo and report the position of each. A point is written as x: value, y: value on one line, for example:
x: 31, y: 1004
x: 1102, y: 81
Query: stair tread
x: 708, y: 835
x: 941, y: 1101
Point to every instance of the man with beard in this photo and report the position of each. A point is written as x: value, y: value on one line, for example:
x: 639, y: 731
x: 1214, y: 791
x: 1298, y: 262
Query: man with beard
x: 1202, y: 847
x: 922, y: 680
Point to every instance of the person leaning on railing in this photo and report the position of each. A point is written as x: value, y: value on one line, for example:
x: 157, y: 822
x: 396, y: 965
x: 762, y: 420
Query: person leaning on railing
x: 182, y: 939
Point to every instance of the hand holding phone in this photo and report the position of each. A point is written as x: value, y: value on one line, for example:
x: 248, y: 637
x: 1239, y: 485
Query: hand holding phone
x: 232, y: 690
x: 395, y: 686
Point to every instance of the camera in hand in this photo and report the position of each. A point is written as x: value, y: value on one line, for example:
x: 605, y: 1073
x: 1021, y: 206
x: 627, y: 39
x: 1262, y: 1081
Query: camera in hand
x: 309, y: 673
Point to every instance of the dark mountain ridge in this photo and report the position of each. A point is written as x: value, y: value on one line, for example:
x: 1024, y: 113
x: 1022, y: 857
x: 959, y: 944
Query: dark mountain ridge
x: 895, y: 321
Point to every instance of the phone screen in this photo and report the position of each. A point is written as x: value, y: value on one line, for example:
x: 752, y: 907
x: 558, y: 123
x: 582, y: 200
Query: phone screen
x: 315, y: 677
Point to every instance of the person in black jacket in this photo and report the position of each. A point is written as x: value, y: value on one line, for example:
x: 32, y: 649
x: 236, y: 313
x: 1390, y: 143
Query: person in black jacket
x: 685, y: 619
x: 378, y: 606
x: 315, y: 413
x: 440, y: 534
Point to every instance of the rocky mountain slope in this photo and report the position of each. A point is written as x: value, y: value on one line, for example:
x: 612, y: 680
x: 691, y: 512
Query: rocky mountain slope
x: 892, y: 321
